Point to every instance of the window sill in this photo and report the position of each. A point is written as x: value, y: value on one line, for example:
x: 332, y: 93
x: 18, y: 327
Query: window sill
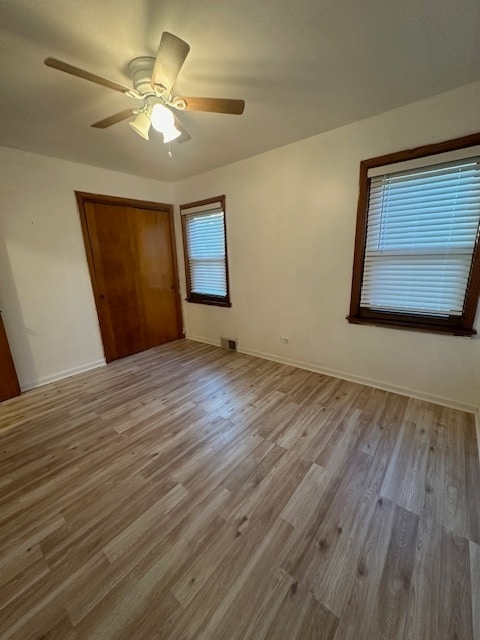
x: 394, y: 323
x: 213, y: 302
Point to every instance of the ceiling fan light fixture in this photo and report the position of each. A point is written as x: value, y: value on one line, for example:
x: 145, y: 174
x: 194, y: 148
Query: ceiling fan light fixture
x: 170, y: 134
x: 164, y: 122
x: 141, y: 124
x: 153, y: 81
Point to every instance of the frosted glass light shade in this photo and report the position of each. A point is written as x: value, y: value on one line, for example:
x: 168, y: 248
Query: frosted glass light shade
x: 164, y: 122
x: 171, y: 134
x: 141, y: 124
x: 162, y: 118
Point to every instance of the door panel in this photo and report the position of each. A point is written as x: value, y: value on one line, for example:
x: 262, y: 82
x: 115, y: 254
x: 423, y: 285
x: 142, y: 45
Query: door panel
x: 156, y: 274
x: 9, y: 387
x: 133, y: 268
x: 116, y: 268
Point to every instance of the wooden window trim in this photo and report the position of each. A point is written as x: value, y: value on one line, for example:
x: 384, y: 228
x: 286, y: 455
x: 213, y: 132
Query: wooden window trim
x: 216, y: 301
x: 359, y: 315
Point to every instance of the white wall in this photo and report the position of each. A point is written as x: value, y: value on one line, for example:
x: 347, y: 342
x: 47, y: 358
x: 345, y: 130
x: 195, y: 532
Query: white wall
x: 290, y: 221
x: 291, y: 225
x: 45, y: 291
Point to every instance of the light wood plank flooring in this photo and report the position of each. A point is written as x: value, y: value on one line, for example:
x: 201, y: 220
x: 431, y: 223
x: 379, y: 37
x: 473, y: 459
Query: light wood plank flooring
x: 193, y: 493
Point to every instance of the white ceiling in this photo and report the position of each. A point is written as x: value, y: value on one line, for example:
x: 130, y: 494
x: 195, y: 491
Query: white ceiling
x: 302, y: 66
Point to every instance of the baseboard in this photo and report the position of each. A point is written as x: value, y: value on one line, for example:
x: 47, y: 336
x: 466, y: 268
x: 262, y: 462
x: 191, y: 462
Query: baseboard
x: 369, y: 382
x: 62, y: 374
x: 214, y: 343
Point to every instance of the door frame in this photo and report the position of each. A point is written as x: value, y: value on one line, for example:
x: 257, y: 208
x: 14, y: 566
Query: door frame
x: 82, y: 199
x: 9, y: 386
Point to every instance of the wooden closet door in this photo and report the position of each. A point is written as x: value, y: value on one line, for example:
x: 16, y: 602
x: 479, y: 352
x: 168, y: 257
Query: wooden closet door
x: 9, y: 387
x: 134, y: 275
x: 156, y: 275
x: 118, y: 304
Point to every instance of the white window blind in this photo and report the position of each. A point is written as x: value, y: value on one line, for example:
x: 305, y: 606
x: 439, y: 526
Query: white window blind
x: 205, y: 237
x: 421, y: 233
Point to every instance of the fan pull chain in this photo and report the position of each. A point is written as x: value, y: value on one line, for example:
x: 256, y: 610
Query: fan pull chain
x: 170, y: 155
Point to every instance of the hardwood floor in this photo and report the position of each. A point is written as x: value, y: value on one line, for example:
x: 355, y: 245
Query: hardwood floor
x: 189, y: 492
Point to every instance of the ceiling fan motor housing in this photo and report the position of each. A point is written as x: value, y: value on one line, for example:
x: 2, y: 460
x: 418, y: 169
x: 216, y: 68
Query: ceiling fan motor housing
x: 140, y: 70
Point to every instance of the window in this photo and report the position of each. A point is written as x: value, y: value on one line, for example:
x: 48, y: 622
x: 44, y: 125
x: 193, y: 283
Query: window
x: 205, y: 250
x: 417, y: 254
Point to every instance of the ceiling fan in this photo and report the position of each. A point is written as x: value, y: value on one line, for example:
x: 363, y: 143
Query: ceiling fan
x: 153, y: 80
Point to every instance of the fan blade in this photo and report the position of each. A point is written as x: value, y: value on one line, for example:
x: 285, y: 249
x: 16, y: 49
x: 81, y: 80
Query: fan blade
x: 215, y: 105
x: 86, y: 75
x: 117, y: 117
x: 170, y: 58
x: 185, y: 137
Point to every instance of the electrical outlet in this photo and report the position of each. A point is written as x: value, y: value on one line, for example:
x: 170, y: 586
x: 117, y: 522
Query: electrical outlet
x: 284, y: 339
